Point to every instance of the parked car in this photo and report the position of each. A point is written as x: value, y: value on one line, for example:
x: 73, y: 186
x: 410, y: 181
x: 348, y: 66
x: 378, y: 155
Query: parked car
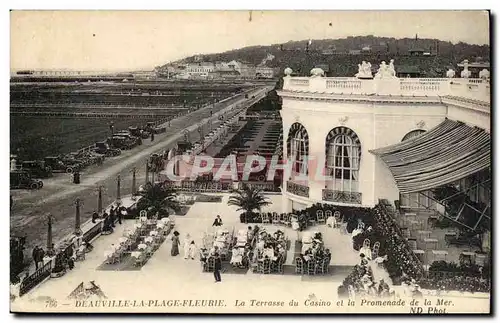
x: 156, y: 130
x: 20, y: 179
x: 127, y: 135
x: 59, y: 166
x: 103, y: 148
x: 139, y: 133
x: 123, y: 143
x: 36, y: 168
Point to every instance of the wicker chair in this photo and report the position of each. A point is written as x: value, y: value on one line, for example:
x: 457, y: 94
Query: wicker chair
x: 276, y: 218
x: 299, y: 266
x: 311, y: 267
x: 376, y: 247
x: 265, y: 218
x: 320, y: 216
x: 267, y: 266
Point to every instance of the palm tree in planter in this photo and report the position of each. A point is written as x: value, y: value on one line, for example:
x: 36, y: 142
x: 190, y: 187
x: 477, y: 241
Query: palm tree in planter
x: 156, y: 198
x: 248, y: 199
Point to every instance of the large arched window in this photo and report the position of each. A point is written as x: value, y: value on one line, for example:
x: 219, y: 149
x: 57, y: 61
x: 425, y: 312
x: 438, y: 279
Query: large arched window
x: 298, y: 146
x: 420, y: 199
x: 343, y: 155
x: 413, y: 134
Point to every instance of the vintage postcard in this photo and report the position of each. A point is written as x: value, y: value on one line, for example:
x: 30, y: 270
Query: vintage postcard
x: 250, y: 162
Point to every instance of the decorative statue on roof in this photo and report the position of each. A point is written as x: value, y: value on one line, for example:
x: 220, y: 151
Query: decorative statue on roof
x: 386, y: 71
x: 391, y: 69
x: 484, y: 74
x: 317, y: 72
x: 364, y: 71
x: 450, y: 74
x: 288, y: 71
x: 465, y: 73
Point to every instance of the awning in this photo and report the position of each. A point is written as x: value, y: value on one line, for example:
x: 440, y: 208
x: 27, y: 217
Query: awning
x: 449, y: 152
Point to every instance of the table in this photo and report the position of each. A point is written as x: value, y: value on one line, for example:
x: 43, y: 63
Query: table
x: 432, y: 242
x: 439, y: 254
x: 425, y: 233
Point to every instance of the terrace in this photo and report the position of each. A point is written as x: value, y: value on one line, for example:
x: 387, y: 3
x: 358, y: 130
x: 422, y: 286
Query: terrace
x: 396, y: 88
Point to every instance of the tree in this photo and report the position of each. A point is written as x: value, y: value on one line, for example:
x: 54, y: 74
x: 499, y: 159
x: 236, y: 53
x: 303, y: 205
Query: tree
x: 248, y: 199
x: 156, y: 198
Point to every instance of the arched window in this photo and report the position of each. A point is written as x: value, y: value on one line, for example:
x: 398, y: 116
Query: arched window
x: 413, y: 134
x: 343, y: 155
x: 298, y: 146
x: 419, y: 199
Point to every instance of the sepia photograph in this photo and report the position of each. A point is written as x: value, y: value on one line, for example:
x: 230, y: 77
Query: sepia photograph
x: 250, y: 162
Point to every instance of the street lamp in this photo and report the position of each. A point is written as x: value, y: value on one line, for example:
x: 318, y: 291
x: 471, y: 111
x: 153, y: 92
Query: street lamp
x: 134, y: 171
x: 49, y: 234
x: 118, y: 183
x: 78, y: 230
x: 99, y: 199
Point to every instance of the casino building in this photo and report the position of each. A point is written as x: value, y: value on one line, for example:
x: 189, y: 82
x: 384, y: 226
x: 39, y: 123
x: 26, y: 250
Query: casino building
x: 383, y: 137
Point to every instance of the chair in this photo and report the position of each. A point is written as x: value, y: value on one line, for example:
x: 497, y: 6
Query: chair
x: 338, y: 218
x: 311, y: 219
x: 210, y: 264
x: 361, y: 225
x: 265, y: 218
x: 320, y: 216
x: 325, y: 266
x: 287, y: 219
x: 266, y: 266
x: 311, y: 267
x: 260, y: 266
x: 366, y: 243
x: 328, y: 213
x: 276, y: 218
x: 376, y: 247
x: 299, y: 266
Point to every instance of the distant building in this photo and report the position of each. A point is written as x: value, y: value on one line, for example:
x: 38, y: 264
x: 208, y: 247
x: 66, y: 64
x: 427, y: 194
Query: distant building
x: 354, y: 52
x: 264, y: 72
x: 416, y: 52
x: 408, y: 71
x: 245, y: 69
x: 201, y: 69
x: 225, y: 74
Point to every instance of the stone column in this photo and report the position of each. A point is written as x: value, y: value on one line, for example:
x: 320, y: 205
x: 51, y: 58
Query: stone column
x: 78, y: 230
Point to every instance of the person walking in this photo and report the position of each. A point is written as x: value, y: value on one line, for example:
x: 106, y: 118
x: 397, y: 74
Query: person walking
x: 217, y: 222
x: 95, y: 216
x: 175, y: 244
x: 217, y: 267
x: 112, y: 216
x: 35, y: 255
x: 119, y: 214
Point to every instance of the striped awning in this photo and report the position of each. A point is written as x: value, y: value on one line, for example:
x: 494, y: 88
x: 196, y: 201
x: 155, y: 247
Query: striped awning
x: 297, y: 127
x: 449, y: 152
x: 342, y: 131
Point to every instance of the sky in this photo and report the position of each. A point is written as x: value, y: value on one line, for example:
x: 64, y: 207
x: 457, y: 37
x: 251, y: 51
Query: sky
x: 140, y: 40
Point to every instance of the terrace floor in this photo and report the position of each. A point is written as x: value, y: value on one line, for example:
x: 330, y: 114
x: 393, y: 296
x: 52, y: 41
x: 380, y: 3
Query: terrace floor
x: 167, y: 277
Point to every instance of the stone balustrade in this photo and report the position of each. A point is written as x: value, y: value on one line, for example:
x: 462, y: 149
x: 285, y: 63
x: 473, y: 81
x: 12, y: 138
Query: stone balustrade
x: 297, y: 189
x: 476, y: 89
x: 341, y: 196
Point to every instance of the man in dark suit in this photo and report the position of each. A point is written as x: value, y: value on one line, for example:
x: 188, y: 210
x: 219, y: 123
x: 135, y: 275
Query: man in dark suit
x: 217, y: 268
x: 217, y: 222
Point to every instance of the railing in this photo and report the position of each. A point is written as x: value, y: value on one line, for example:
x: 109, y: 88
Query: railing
x: 36, y: 278
x: 341, y: 196
x: 297, y: 189
x: 478, y: 89
x: 264, y: 186
x: 93, y: 232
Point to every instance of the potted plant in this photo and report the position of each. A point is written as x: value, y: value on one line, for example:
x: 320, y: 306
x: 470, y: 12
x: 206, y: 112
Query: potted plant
x: 158, y: 199
x: 248, y: 199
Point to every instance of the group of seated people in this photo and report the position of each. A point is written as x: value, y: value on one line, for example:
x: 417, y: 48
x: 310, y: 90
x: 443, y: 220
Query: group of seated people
x: 362, y: 281
x: 240, y: 253
x: 313, y: 250
x: 270, y: 249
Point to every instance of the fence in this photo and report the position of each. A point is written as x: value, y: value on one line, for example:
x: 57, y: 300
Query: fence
x: 36, y: 278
